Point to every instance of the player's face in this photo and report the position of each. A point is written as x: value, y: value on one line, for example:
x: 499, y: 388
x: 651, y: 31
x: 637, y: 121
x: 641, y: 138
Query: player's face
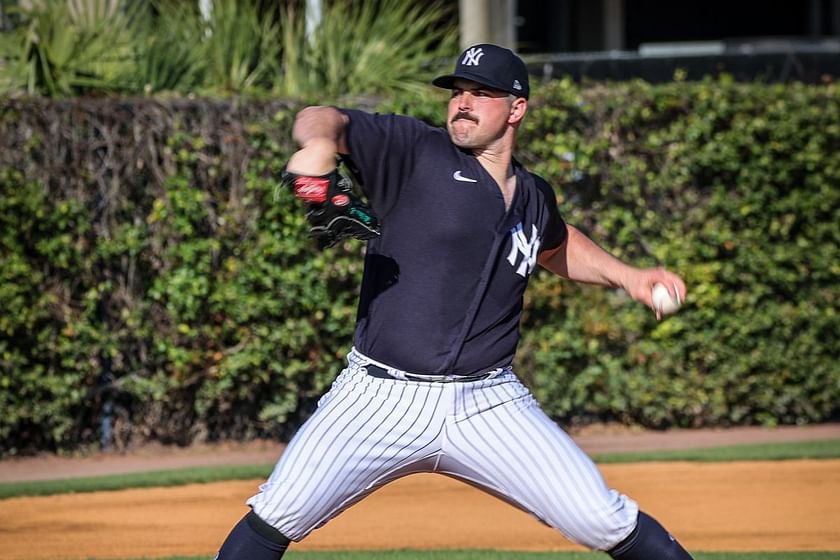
x: 477, y: 114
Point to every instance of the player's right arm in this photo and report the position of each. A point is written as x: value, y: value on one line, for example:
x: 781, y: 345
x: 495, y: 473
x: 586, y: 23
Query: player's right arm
x: 580, y: 259
x: 381, y: 149
x: 321, y: 134
x: 333, y: 210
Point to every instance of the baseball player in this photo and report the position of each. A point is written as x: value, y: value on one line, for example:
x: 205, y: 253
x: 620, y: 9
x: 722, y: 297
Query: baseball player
x: 428, y: 385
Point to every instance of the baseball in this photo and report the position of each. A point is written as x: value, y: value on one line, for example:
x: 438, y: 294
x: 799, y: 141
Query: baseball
x: 663, y: 301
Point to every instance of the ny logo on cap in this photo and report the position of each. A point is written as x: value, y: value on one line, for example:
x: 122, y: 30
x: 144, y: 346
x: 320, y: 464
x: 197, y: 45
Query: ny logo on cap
x: 472, y: 56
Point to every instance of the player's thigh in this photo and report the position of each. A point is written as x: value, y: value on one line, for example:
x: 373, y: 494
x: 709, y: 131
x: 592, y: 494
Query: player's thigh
x: 514, y: 450
x: 364, y: 431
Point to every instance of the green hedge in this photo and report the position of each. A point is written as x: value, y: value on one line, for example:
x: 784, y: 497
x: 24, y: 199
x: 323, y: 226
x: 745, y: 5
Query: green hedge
x: 738, y: 188
x: 148, y: 264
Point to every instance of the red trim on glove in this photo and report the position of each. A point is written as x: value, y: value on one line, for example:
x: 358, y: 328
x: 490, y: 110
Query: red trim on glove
x: 312, y: 189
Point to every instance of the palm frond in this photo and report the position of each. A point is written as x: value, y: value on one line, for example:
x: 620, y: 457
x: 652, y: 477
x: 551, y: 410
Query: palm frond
x: 71, y: 47
x: 240, y: 46
x: 365, y: 48
x: 168, y: 45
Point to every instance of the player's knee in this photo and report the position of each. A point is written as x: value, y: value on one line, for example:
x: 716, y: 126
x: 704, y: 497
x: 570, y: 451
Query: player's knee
x: 295, y: 519
x: 603, y: 531
x: 599, y: 526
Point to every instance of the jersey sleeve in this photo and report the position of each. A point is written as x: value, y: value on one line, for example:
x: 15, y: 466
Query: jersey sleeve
x: 382, y: 153
x: 555, y: 232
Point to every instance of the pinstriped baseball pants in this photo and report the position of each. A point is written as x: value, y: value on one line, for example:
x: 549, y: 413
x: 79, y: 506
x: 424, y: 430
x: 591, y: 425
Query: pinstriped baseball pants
x: 368, y: 431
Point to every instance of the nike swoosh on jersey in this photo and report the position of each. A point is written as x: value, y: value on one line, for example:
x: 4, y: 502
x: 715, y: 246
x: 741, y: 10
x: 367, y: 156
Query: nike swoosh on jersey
x: 458, y: 177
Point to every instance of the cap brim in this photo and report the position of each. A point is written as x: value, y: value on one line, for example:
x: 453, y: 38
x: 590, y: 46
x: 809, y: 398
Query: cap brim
x: 447, y: 81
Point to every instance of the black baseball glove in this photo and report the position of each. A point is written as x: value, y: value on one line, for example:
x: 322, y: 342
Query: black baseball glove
x: 333, y: 210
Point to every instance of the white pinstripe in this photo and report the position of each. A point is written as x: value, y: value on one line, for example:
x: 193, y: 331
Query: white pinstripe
x: 368, y: 431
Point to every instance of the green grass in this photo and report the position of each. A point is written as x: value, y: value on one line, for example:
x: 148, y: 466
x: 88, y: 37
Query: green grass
x: 776, y: 451
x: 512, y: 555
x: 176, y: 477
x: 826, y: 449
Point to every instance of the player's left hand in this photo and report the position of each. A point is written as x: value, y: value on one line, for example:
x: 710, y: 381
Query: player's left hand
x: 333, y: 210
x: 640, y: 286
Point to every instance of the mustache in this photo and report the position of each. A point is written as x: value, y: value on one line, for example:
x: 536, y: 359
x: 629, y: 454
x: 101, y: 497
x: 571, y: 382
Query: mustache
x: 464, y: 115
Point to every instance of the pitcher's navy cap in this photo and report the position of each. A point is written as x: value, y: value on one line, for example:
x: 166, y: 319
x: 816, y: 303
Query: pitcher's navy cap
x: 492, y: 66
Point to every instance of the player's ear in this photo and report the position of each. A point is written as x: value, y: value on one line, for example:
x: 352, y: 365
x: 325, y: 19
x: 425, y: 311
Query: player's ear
x: 518, y: 108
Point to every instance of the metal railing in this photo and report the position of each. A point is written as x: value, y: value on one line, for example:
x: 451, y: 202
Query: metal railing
x: 770, y: 59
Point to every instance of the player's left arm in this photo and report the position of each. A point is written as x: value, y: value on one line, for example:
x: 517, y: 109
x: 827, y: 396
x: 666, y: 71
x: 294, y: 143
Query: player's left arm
x: 580, y: 259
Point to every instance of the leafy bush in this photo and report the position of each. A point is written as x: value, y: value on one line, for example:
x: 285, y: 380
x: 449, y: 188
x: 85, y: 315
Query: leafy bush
x: 733, y: 185
x: 148, y: 266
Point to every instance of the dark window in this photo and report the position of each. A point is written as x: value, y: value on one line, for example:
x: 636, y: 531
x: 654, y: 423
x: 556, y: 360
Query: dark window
x: 651, y: 21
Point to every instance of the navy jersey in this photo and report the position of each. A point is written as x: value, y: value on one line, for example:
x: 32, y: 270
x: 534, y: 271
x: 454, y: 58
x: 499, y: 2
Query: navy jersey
x: 443, y: 285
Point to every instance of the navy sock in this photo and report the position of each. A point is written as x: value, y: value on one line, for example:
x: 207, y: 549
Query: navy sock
x: 649, y: 541
x: 253, y: 539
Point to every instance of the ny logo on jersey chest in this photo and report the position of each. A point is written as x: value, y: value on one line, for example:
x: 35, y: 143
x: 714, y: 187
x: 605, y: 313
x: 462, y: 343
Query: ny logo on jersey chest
x: 528, y: 248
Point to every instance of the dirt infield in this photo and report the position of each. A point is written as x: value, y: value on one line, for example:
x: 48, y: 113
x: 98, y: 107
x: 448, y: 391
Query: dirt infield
x: 788, y: 505
x: 592, y: 439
